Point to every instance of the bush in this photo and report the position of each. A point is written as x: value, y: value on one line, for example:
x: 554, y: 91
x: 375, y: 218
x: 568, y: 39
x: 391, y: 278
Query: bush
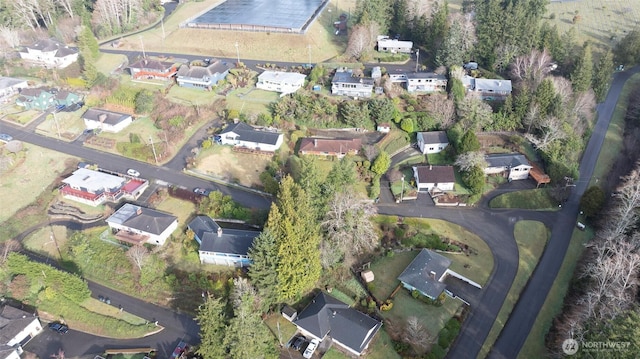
x: 421, y: 240
x: 437, y: 352
x: 371, y: 286
x: 374, y: 190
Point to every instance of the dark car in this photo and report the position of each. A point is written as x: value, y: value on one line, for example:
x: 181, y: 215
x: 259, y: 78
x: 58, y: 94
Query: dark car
x: 202, y: 191
x: 298, y: 342
x: 60, y: 108
x: 74, y: 107
x: 59, y: 328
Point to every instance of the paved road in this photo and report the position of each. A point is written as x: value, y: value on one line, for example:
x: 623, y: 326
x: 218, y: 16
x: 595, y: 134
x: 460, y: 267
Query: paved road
x: 171, y: 173
x: 518, y: 326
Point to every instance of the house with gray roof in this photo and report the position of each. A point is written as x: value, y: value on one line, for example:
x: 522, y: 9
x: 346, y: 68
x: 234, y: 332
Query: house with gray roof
x: 429, y: 178
x: 108, y: 121
x: 344, y: 83
x: 326, y: 317
x: 425, y: 82
x: 427, y: 272
x: 221, y: 246
x: 240, y: 134
x: 488, y: 89
x: 138, y: 225
x: 17, y: 328
x: 203, y: 77
x: 514, y: 166
x: 432, y: 141
x: 10, y: 86
x: 49, y: 53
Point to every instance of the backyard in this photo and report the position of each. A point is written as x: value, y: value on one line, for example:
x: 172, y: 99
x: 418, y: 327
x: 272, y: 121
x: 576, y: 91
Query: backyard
x: 536, y: 199
x: 531, y: 237
x: 66, y: 126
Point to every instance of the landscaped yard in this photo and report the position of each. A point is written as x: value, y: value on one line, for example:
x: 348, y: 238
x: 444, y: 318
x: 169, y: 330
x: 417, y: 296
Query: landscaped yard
x: 69, y: 124
x: 281, y: 328
x: 531, y: 237
x: 21, y: 184
x: 251, y: 101
x: 539, y: 199
x: 222, y: 162
x: 380, y: 348
x: 320, y: 43
x: 179, y: 208
x: 19, y: 115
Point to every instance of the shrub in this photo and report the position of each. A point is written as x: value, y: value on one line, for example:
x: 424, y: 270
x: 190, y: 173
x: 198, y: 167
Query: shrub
x: 415, y: 293
x: 371, y: 286
x: 387, y: 305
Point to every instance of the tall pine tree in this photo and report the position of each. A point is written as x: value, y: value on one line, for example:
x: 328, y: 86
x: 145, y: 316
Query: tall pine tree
x: 293, y: 223
x: 583, y: 72
x: 264, y: 259
x: 602, y: 76
x: 212, y: 320
x: 247, y: 336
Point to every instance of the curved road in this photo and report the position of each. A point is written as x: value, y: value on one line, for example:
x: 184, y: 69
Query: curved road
x: 523, y: 316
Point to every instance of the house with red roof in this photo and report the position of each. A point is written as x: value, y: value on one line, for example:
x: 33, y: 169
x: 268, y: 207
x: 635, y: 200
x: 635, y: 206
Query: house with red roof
x: 96, y: 187
x: 338, y: 147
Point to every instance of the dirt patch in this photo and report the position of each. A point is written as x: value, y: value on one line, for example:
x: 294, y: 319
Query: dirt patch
x: 228, y: 165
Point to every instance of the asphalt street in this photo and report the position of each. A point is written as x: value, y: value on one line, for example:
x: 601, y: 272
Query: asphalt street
x: 525, y: 312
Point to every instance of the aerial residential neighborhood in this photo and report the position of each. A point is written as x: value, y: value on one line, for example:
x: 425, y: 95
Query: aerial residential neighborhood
x: 264, y: 179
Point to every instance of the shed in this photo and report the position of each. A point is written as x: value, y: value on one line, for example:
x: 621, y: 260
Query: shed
x: 367, y: 276
x: 289, y: 313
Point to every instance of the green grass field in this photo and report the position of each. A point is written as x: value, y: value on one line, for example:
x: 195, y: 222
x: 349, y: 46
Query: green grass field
x: 46, y: 241
x: 109, y: 62
x: 251, y: 101
x: 531, y: 237
x: 537, y: 199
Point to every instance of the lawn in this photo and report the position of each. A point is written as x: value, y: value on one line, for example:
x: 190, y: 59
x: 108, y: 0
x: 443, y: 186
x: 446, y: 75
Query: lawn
x: 537, y: 199
x: 613, y: 139
x: 380, y: 348
x: 70, y: 125
x: 281, y: 328
x: 177, y: 207
x: 22, y: 183
x: 251, y: 101
x: 107, y: 63
x: 387, y: 270
x: 534, y: 347
x: 47, y: 240
x: 108, y: 310
x: 191, y: 96
x: 18, y: 115
x: 531, y: 237
x: 439, y: 158
x: 319, y: 43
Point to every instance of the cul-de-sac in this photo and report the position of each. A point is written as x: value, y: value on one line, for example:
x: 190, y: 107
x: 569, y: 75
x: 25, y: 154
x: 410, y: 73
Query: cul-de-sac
x: 282, y: 179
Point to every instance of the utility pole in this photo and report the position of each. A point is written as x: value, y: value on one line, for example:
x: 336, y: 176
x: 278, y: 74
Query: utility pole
x: 153, y: 147
x: 163, y: 34
x: 417, y: 58
x: 55, y: 119
x: 237, y: 54
x: 402, y: 191
x: 309, y: 47
x: 142, y: 43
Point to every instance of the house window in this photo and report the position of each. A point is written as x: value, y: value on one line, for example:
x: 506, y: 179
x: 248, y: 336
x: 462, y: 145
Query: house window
x: 430, y: 148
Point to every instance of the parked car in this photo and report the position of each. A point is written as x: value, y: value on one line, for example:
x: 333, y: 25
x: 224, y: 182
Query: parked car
x: 59, y: 328
x: 298, y: 342
x: 311, y: 348
x: 202, y: 191
x: 74, y: 107
x: 133, y: 173
x: 59, y: 108
x: 5, y: 138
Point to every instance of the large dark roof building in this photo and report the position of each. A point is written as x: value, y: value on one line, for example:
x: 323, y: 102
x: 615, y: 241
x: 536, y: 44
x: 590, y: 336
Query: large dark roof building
x: 425, y: 273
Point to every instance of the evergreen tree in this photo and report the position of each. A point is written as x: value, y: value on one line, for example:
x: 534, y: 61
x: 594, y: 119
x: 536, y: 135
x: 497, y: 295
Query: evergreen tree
x: 378, y: 11
x: 452, y: 52
x: 342, y: 175
x: 602, y: 76
x: 293, y: 223
x: 437, y: 28
x: 474, y: 180
x: 87, y: 42
x: 309, y: 180
x: 247, y: 335
x: 264, y: 262
x: 355, y: 114
x: 381, y: 163
x: 212, y: 320
x: 468, y: 143
x: 583, y: 72
x: 407, y: 125
x: 399, y: 22
x: 627, y: 52
x: 544, y: 96
x: 382, y: 110
x: 457, y: 90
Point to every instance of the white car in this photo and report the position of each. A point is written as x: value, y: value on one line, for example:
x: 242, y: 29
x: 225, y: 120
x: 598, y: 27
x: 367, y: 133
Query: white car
x: 311, y: 348
x: 133, y: 173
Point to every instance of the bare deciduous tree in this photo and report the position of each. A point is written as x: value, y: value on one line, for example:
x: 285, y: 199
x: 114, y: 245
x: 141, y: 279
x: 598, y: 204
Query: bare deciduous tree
x: 532, y: 68
x: 394, y: 174
x: 362, y: 39
x: 474, y: 114
x: 242, y: 287
x: 370, y: 152
x: 10, y: 36
x: 138, y: 255
x: 470, y: 160
x: 551, y: 129
x: 416, y: 335
x: 441, y: 108
x: 7, y: 247
x: 563, y: 88
x: 348, y: 224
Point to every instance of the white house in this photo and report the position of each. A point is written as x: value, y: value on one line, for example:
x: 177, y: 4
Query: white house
x: 17, y: 328
x: 229, y: 247
x: 488, y: 89
x: 50, y: 53
x: 429, y: 178
x: 432, y: 142
x: 383, y: 127
x: 10, y: 86
x: 514, y: 165
x: 242, y: 135
x: 426, y: 82
x: 344, y: 83
x: 279, y: 81
x: 108, y: 121
x: 95, y: 187
x: 385, y: 44
x: 137, y: 225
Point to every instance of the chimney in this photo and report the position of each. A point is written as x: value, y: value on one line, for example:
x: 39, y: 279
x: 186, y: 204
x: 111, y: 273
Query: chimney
x: 315, y: 142
x: 430, y: 167
x: 219, y: 231
x: 433, y: 275
x: 139, y: 211
x: 102, y: 117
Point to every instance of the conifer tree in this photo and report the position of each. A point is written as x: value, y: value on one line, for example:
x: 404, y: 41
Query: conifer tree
x: 262, y: 271
x: 212, y: 320
x: 583, y: 72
